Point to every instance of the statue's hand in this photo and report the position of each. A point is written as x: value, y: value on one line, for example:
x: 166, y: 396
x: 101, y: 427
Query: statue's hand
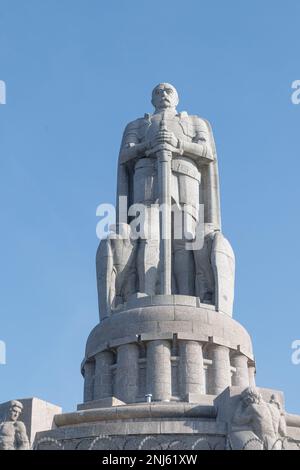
x: 164, y: 140
x: 161, y: 147
x: 165, y: 136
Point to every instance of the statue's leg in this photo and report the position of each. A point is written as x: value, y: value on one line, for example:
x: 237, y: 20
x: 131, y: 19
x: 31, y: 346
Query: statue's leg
x: 184, y: 270
x: 185, y: 194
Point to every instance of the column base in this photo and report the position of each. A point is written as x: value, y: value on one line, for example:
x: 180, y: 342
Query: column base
x: 101, y: 403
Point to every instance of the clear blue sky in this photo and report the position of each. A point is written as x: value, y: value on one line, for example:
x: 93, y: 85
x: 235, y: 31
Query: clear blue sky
x: 76, y: 72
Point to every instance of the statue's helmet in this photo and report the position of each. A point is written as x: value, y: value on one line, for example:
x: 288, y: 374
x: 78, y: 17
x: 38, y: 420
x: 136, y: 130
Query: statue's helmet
x: 164, y: 95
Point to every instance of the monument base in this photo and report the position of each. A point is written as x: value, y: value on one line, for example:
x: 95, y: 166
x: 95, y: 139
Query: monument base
x: 173, y: 348
x: 164, y: 426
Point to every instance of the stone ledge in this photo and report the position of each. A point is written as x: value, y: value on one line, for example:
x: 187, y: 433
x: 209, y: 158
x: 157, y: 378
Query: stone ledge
x: 162, y: 321
x: 143, y: 410
x: 292, y: 420
x: 134, y: 436
x: 149, y: 300
x: 138, y: 426
x: 102, y: 403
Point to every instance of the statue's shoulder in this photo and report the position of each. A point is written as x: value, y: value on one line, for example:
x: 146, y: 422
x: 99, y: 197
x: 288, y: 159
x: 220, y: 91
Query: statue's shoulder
x: 200, y: 121
x: 20, y: 426
x: 137, y: 124
x: 197, y: 123
x: 193, y: 119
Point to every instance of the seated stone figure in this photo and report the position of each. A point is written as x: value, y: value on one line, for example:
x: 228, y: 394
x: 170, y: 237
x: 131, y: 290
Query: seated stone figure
x: 265, y: 420
x: 116, y: 269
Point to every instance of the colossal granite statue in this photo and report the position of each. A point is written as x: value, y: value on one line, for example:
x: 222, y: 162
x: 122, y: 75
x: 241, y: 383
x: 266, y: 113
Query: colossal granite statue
x: 13, y: 434
x: 166, y: 259
x: 167, y: 367
x: 167, y: 169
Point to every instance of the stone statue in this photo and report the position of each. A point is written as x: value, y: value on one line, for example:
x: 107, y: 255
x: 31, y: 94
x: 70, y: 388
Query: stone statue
x: 116, y: 268
x: 266, y: 420
x: 168, y: 161
x: 13, y: 434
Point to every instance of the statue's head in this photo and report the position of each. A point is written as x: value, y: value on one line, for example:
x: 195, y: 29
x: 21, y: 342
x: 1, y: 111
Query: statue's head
x: 15, y: 409
x: 164, y: 96
x: 275, y: 401
x: 251, y: 395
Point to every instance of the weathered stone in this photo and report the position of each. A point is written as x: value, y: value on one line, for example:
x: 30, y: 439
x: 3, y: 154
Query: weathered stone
x: 159, y: 370
x: 36, y: 415
x: 240, y: 377
x: 166, y: 344
x: 102, y: 403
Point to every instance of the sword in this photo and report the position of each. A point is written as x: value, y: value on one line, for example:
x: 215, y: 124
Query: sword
x: 164, y: 157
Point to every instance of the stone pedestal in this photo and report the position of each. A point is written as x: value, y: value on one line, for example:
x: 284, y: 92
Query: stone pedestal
x: 194, y: 361
x: 173, y: 347
x: 187, y: 349
x: 180, y: 351
x: 157, y: 426
x: 162, y: 426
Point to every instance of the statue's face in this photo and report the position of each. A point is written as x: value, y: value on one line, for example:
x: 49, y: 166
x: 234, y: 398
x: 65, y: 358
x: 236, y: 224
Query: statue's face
x: 164, y: 96
x: 14, y: 413
x: 251, y: 398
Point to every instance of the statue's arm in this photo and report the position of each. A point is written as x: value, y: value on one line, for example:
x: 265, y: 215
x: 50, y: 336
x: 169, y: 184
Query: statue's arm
x: 129, y: 136
x: 131, y: 146
x: 132, y: 151
x: 21, y: 438
x: 242, y: 415
x: 200, y: 149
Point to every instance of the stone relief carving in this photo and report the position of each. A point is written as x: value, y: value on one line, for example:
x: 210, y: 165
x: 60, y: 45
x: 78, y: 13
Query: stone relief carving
x: 167, y: 158
x: 165, y: 442
x: 13, y: 434
x: 147, y: 442
x: 48, y: 443
x: 265, y: 420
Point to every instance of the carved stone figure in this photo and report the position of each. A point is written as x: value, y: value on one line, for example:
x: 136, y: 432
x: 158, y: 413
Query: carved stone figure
x: 116, y: 269
x: 13, y: 434
x: 168, y: 160
x: 265, y: 420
